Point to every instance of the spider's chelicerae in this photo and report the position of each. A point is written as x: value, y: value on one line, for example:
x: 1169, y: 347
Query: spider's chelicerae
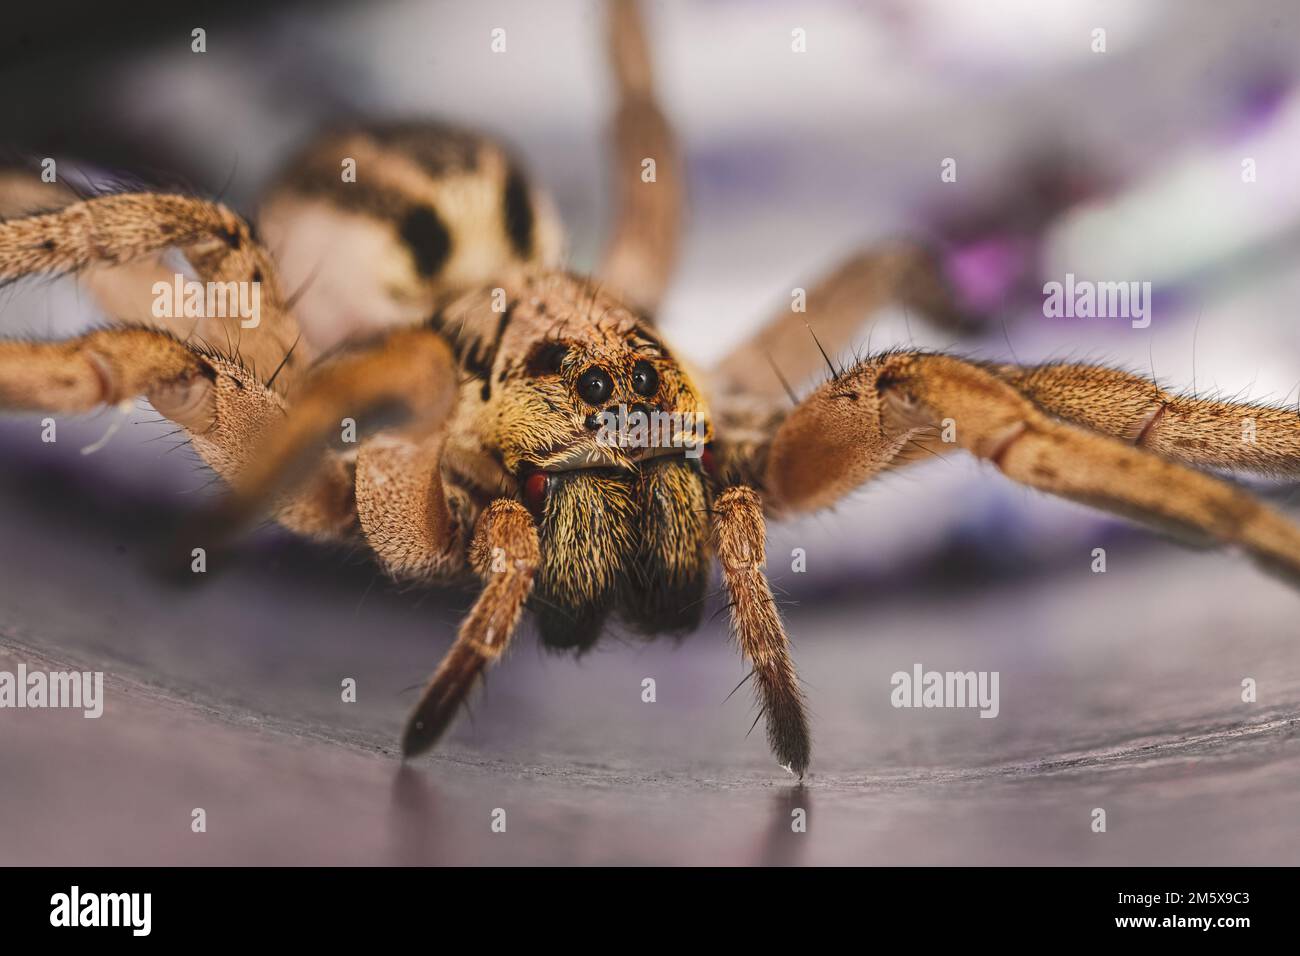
x: 429, y: 308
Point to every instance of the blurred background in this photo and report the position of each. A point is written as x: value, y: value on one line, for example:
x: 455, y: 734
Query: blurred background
x: 1119, y: 690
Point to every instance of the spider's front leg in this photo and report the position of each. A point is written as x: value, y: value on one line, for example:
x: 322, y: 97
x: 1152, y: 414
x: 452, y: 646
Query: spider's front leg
x: 903, y: 272
x: 407, y: 377
x: 1202, y: 432
x: 505, y: 553
x: 857, y: 424
x: 111, y: 231
x: 739, y: 536
x: 221, y: 404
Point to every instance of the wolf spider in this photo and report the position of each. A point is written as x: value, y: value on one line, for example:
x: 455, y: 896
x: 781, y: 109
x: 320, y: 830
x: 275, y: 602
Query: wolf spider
x: 431, y: 309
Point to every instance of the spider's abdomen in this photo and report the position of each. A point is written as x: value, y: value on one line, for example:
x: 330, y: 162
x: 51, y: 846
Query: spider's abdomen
x: 373, y: 225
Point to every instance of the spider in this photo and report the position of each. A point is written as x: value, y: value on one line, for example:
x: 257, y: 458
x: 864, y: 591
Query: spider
x: 431, y: 309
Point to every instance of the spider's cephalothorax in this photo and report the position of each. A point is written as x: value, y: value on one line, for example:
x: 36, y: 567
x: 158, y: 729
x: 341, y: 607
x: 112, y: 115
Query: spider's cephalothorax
x: 497, y: 399
x: 574, y: 403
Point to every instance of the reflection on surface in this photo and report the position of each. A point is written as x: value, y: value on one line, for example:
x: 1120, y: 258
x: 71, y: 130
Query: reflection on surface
x: 412, y: 818
x: 787, y: 832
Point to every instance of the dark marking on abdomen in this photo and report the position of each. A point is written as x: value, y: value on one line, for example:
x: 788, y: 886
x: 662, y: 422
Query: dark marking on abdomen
x: 426, y: 235
x: 518, y: 209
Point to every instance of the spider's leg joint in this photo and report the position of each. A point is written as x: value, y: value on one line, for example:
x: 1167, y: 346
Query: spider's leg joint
x: 1002, y: 443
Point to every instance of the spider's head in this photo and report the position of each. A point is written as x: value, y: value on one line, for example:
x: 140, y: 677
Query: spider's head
x: 605, y: 436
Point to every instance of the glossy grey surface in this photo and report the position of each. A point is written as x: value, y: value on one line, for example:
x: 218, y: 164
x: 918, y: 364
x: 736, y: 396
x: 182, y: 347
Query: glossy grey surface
x: 1118, y: 690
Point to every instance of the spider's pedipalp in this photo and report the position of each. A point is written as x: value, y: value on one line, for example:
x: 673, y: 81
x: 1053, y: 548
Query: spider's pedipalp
x: 739, y: 536
x: 1205, y: 432
x: 505, y: 553
x: 405, y: 510
x: 855, y: 426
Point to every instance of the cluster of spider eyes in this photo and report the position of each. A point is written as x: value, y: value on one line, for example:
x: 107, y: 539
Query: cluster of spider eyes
x: 595, y: 385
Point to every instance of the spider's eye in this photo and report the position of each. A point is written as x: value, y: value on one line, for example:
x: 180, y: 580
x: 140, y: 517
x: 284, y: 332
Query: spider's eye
x: 548, y: 360
x: 594, y: 385
x: 645, y: 380
x: 536, y: 486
